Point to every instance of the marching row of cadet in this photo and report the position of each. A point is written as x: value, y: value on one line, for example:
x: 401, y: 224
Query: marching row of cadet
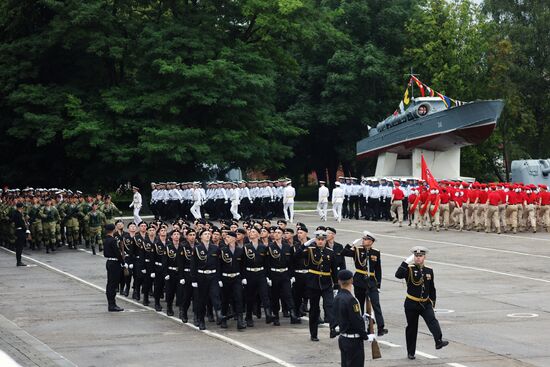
x: 223, y: 200
x: 448, y: 204
x: 233, y: 272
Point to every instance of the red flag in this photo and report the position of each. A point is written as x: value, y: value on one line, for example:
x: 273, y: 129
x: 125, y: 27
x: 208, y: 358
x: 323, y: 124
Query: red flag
x: 427, y: 175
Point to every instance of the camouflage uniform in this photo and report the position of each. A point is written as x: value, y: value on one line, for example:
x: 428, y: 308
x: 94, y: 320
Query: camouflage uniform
x: 73, y: 214
x: 36, y: 228
x: 50, y: 220
x: 110, y: 210
x: 95, y: 220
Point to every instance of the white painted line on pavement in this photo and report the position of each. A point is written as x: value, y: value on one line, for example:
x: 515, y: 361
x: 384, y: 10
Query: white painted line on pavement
x: 388, y: 344
x: 426, y: 355
x: 455, y: 365
x: 461, y: 244
x: 7, y: 361
x: 207, y: 332
x: 458, y: 266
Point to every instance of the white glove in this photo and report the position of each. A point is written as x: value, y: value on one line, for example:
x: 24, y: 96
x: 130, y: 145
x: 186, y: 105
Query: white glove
x: 410, y: 259
x: 366, y: 317
x: 220, y: 283
x: 153, y: 275
x: 125, y: 265
x: 371, y: 337
x: 28, y: 232
x: 243, y: 282
x: 131, y: 266
x: 129, y: 206
x: 182, y: 281
x: 269, y: 283
x: 309, y: 242
x: 355, y: 242
x: 194, y: 284
x: 292, y: 280
x: 144, y: 271
x: 167, y: 277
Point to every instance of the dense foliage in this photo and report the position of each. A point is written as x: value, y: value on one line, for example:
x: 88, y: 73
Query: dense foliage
x: 98, y: 92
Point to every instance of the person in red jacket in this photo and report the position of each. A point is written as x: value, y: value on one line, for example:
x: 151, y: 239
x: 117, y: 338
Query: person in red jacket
x: 413, y: 207
x: 493, y: 201
x: 396, y: 209
x: 458, y: 211
x: 482, y: 207
x: 444, y: 207
x: 470, y: 206
x: 530, y: 207
x: 544, y: 202
x: 512, y: 201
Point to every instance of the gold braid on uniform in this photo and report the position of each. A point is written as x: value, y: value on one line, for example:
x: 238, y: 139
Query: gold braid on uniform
x: 201, y: 258
x: 226, y: 258
x: 312, y: 257
x: 419, y: 282
x: 187, y: 254
x: 161, y: 252
x: 358, y: 254
x: 171, y: 254
x: 275, y: 256
x: 246, y: 252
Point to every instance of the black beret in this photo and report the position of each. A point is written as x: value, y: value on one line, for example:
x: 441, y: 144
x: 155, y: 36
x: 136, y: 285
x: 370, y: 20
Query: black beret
x: 241, y: 230
x: 289, y: 230
x: 301, y: 228
x: 232, y: 234
x: 109, y: 227
x: 191, y: 230
x: 345, y: 274
x: 333, y: 230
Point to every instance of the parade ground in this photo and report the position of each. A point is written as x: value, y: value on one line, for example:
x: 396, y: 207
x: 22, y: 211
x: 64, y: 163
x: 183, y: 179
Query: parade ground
x: 493, y: 304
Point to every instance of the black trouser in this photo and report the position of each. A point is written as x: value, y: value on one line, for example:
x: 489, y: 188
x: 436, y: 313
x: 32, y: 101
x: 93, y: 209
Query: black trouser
x: 414, y: 309
x: 256, y: 286
x: 363, y: 295
x: 137, y: 275
x: 20, y: 238
x: 405, y: 208
x: 244, y: 208
x: 345, y: 207
x: 363, y: 207
x: 280, y: 292
x: 315, y: 309
x: 186, y: 292
x: 354, y: 207
x: 147, y: 280
x: 159, y: 283
x: 299, y: 291
x: 171, y: 287
x: 375, y: 204
x: 352, y: 352
x: 113, y: 278
x: 232, y: 294
x: 208, y: 289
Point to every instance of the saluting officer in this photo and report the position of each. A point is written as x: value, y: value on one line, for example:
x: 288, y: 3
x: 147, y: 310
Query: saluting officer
x: 421, y: 297
x: 351, y: 323
x: 320, y: 279
x: 368, y: 275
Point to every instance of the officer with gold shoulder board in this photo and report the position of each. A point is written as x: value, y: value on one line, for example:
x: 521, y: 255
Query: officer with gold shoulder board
x: 420, y: 301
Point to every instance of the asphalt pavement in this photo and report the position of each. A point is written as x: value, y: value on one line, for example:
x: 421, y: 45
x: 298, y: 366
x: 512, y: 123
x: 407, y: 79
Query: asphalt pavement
x: 493, y: 306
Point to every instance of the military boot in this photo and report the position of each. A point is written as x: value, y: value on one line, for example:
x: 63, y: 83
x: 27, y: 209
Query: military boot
x: 169, y: 310
x: 93, y: 249
x: 268, y: 315
x: 183, y: 316
x: 294, y: 319
x: 146, y: 299
x: 240, y: 322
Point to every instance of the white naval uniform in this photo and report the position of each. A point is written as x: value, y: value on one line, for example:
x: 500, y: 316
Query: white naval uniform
x: 136, y: 204
x: 322, y: 203
x: 288, y: 203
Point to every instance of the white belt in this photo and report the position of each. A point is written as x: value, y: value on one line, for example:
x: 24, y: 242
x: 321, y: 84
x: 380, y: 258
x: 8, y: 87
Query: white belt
x: 231, y: 275
x: 186, y: 269
x: 147, y: 260
x: 172, y: 268
x: 157, y: 263
x: 207, y: 271
x: 137, y: 257
x: 112, y: 258
x: 279, y: 270
x: 351, y: 336
x: 301, y: 271
x: 255, y: 269
x: 18, y: 228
